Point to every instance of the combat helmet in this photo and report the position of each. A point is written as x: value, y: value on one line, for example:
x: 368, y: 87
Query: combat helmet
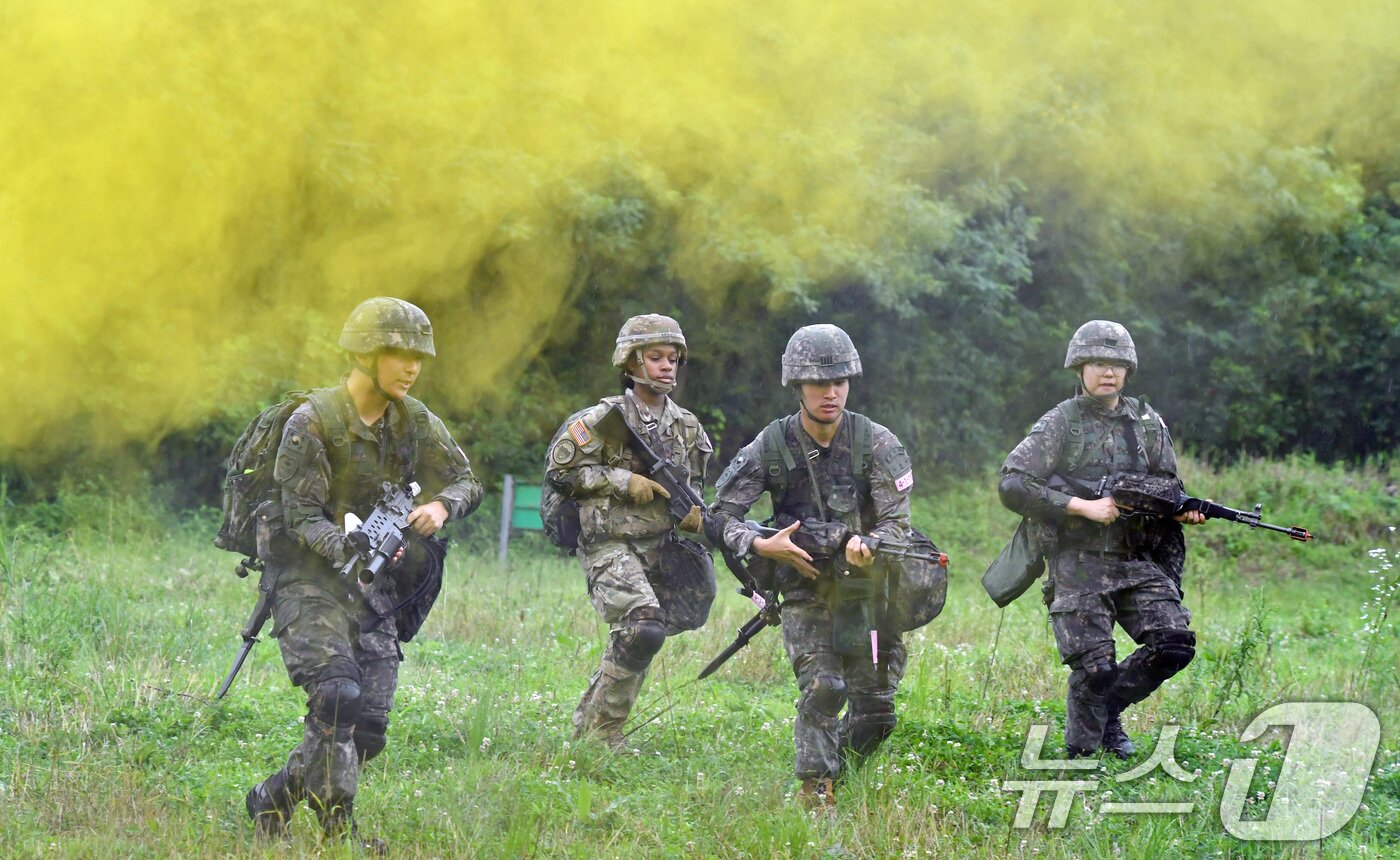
x: 816, y: 353
x: 646, y: 330
x: 1101, y: 340
x: 387, y: 322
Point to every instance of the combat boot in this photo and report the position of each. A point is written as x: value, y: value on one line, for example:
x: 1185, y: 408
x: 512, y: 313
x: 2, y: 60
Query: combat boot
x: 818, y: 794
x: 1115, y: 740
x: 270, y: 822
x: 339, y: 825
x: 270, y: 805
x: 605, y: 705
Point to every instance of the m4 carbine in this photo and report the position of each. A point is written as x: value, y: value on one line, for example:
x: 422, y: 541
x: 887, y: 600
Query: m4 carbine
x: 683, y: 498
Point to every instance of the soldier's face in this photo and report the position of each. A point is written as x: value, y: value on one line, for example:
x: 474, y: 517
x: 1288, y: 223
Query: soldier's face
x: 825, y: 401
x: 398, y: 370
x: 660, y: 362
x: 1103, y: 379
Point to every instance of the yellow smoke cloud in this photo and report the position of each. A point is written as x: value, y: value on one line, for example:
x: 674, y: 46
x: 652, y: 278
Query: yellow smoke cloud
x: 195, y: 194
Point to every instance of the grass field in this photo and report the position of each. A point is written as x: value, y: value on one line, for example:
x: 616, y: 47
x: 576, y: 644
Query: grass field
x: 116, y: 626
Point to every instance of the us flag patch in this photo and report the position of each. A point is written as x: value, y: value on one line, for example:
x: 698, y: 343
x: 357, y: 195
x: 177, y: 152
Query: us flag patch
x: 905, y: 481
x: 580, y: 433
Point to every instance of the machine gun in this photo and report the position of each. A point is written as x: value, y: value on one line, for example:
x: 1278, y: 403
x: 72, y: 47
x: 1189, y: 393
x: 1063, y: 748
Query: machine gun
x: 1139, y: 494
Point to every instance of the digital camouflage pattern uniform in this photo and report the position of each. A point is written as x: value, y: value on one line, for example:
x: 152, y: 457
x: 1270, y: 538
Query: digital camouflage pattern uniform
x: 1128, y: 572
x: 621, y: 542
x: 340, y: 643
x: 826, y: 622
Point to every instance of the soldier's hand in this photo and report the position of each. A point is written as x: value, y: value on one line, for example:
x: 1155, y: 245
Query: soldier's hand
x: 857, y: 553
x: 427, y: 519
x: 641, y: 489
x: 781, y: 549
x: 1102, y: 511
x: 1191, y: 518
x: 693, y: 522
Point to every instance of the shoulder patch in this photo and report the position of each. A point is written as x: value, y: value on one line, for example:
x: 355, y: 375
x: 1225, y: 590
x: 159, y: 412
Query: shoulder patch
x: 904, y: 482
x: 732, y: 470
x: 1039, y: 426
x: 580, y: 433
x: 563, y: 452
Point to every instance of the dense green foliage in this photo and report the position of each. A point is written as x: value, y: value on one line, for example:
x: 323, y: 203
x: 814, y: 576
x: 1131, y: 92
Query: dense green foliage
x: 117, y: 622
x: 1280, y: 337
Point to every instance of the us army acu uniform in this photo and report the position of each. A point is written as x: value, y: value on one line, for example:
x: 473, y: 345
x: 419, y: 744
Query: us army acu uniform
x: 623, y: 537
x: 339, y: 641
x: 862, y: 479
x: 1127, y: 572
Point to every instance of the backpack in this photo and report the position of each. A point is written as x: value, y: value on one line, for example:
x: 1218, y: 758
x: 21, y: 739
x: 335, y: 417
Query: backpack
x: 559, y: 513
x: 250, y: 495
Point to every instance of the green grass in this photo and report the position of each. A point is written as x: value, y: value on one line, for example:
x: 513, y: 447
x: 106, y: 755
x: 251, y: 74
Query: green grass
x: 115, y: 630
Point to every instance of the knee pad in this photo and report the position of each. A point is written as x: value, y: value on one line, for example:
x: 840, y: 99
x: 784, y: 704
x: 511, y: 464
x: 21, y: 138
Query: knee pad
x: 1172, y: 651
x: 826, y: 695
x: 640, y: 639
x: 371, y: 736
x: 336, y: 702
x: 1098, y: 678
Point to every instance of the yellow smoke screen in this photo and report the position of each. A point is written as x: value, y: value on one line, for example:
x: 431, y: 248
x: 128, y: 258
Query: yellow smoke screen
x: 194, y: 194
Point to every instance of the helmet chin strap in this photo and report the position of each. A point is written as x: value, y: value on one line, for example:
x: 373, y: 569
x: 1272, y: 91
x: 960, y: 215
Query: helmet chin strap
x: 808, y: 412
x: 373, y: 373
x: 663, y: 387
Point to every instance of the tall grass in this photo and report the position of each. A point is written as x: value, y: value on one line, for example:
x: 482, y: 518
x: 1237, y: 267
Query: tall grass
x: 116, y: 624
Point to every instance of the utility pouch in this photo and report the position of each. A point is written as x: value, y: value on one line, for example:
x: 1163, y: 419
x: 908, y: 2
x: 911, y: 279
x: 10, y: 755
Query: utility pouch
x: 1020, y: 564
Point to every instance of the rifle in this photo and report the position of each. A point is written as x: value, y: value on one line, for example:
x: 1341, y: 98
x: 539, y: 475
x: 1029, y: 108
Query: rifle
x: 614, y: 426
x: 381, y: 535
x: 262, y: 610
x: 825, y: 541
x: 1153, y: 495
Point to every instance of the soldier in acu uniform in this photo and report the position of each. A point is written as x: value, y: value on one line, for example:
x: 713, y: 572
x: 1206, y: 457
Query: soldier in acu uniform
x: 829, y: 471
x: 1104, y: 567
x: 644, y: 580
x: 340, y: 641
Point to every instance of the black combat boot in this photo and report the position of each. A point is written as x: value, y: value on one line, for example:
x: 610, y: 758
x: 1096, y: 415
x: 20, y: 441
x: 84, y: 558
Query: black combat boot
x: 339, y: 825
x: 267, y: 806
x: 1115, y: 740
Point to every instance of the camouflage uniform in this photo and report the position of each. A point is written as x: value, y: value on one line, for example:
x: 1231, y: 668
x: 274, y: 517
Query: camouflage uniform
x: 826, y: 622
x: 1127, y: 572
x: 621, y: 542
x: 340, y: 643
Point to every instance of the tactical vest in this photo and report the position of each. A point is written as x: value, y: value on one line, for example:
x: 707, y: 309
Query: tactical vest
x: 1084, y: 457
x: 845, y: 472
x: 358, y: 466
x: 1081, y: 455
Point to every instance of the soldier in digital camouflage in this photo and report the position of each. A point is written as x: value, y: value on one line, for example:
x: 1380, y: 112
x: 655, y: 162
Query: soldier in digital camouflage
x: 645, y: 580
x: 832, y: 472
x: 1104, y: 567
x: 340, y: 640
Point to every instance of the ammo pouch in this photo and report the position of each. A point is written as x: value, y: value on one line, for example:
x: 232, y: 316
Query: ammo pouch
x: 271, y: 542
x: 853, y: 603
x: 686, y: 586
x: 1020, y: 564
